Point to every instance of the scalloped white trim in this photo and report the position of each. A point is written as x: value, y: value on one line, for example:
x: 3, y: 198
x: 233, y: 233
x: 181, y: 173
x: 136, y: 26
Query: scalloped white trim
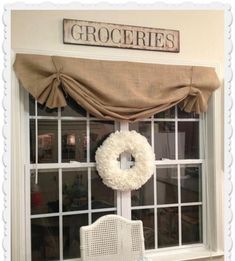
x: 228, y: 159
x: 108, y: 166
x: 124, y: 6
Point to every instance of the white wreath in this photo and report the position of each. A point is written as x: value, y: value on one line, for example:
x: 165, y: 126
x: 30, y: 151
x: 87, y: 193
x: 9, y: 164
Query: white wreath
x: 108, y: 166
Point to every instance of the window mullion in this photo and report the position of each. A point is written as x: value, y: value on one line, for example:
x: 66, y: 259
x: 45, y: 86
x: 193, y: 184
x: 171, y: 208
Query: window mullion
x: 154, y: 187
x: 36, y: 141
x: 60, y: 215
x: 179, y: 208
x: 118, y: 193
x: 125, y: 196
x: 59, y: 136
x: 88, y: 156
x: 60, y: 186
x: 176, y: 134
x: 88, y: 137
x: 89, y: 196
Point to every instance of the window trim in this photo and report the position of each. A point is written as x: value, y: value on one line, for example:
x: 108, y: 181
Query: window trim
x: 213, y: 122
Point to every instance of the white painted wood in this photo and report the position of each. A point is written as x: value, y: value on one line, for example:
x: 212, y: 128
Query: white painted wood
x: 60, y: 216
x: 179, y: 205
x: 125, y: 195
x: 127, y: 236
x: 120, y: 36
x: 89, y: 197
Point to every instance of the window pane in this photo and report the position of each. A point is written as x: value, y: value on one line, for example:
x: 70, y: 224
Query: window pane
x: 191, y: 185
x: 47, y: 141
x: 32, y: 141
x: 71, y: 235
x: 95, y: 216
x: 99, y: 131
x: 167, y: 227
x: 170, y: 113
x: 44, y: 194
x: 144, y: 128
x: 101, y: 195
x: 147, y: 217
x: 164, y: 140
x: 188, y: 140
x: 31, y: 105
x: 183, y: 114
x: 72, y: 109
x: 191, y: 224
x: 44, y: 111
x: 143, y: 196
x: 75, y: 189
x: 167, y: 185
x: 74, y: 141
x: 45, y: 238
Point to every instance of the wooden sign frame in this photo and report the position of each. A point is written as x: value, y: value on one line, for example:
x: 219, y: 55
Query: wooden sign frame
x: 80, y: 32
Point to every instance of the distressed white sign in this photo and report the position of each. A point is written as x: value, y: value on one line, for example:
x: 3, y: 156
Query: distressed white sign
x: 120, y: 36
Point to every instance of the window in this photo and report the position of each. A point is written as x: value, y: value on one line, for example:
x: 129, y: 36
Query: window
x: 170, y: 204
x: 66, y: 192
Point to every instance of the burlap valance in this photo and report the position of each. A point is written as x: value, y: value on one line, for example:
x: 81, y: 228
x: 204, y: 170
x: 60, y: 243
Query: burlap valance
x: 115, y: 89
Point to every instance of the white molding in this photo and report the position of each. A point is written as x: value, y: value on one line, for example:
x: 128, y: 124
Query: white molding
x: 214, y: 156
x: 18, y: 151
x: 186, y: 254
x: 195, y: 253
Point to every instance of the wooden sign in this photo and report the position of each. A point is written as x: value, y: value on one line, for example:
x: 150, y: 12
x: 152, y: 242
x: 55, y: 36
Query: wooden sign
x: 120, y: 36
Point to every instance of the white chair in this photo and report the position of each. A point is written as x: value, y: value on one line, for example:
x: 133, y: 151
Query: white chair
x: 112, y: 238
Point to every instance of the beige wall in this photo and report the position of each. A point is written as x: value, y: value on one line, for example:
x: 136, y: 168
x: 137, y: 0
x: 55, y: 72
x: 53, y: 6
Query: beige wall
x: 201, y: 35
x: 201, y: 32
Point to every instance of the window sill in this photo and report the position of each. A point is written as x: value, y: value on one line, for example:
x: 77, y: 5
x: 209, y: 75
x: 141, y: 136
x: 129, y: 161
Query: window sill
x: 185, y: 254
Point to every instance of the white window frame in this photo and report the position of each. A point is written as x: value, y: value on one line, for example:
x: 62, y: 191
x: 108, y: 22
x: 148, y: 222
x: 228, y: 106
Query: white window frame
x: 214, y: 146
x: 124, y: 207
x: 59, y: 166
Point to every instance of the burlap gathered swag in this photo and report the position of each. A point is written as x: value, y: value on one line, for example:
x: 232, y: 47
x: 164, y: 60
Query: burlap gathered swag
x: 116, y: 90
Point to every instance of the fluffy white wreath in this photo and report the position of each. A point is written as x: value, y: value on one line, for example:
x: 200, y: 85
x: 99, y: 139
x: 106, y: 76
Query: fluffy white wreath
x: 108, y: 166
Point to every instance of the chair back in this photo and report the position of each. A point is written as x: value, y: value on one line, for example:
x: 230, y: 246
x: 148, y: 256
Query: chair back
x: 112, y: 238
